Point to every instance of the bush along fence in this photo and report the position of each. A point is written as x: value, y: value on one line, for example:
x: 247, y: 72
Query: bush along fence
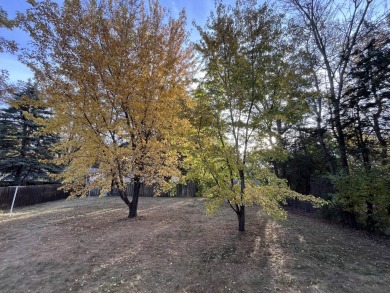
x: 360, y: 216
x: 30, y: 195
x: 34, y: 194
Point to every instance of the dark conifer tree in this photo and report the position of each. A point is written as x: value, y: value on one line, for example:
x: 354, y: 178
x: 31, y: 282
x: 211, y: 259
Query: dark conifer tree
x: 25, y: 155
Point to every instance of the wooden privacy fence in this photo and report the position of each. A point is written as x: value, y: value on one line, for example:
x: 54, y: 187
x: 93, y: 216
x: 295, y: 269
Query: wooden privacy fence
x: 34, y: 194
x: 30, y: 195
x: 319, y: 188
x: 181, y: 190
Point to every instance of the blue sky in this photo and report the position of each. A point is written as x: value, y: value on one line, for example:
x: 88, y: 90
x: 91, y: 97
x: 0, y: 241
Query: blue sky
x: 197, y: 10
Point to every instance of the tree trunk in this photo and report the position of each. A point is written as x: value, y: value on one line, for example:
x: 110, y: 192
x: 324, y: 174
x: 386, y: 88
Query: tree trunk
x: 133, y: 204
x: 340, y: 136
x: 370, y: 222
x: 362, y: 145
x: 325, y: 151
x: 378, y: 133
x: 133, y: 207
x: 282, y: 141
x: 321, y: 131
x: 377, y: 128
x: 18, y: 176
x: 241, y: 218
x: 241, y: 207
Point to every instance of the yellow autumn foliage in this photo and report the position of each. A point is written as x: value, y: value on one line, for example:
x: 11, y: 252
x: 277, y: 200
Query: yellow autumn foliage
x: 115, y: 73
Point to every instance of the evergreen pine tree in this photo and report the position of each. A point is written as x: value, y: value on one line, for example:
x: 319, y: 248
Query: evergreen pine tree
x: 25, y: 155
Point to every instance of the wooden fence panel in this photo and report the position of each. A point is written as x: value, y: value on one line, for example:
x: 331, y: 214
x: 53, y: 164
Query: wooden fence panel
x: 321, y: 188
x: 34, y: 194
x: 182, y: 190
x: 30, y: 195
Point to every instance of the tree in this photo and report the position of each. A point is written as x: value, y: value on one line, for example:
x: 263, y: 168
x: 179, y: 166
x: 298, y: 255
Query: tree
x: 249, y: 92
x: 334, y: 29
x: 306, y: 160
x: 115, y: 73
x: 347, y: 47
x: 25, y: 152
x: 365, y: 194
x: 5, y: 46
x: 368, y: 95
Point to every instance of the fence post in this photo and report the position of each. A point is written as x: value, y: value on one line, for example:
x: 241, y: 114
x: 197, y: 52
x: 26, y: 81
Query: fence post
x: 13, y: 201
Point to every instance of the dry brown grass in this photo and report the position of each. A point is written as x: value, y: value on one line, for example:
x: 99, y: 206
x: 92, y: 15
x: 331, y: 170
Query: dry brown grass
x: 87, y: 245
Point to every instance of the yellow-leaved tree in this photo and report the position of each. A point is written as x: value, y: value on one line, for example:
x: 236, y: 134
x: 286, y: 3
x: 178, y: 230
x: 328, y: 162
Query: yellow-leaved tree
x: 250, y: 95
x: 115, y: 73
x: 5, y: 46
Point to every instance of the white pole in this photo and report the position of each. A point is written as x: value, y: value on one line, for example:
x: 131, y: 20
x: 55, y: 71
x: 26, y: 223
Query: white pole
x: 13, y: 201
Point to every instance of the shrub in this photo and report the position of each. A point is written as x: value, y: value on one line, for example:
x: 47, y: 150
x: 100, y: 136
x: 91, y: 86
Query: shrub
x: 365, y: 194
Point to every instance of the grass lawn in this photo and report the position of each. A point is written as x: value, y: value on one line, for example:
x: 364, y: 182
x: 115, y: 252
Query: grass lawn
x: 88, y: 245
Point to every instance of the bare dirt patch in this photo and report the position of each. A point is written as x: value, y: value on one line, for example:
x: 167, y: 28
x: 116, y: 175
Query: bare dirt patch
x: 88, y: 245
